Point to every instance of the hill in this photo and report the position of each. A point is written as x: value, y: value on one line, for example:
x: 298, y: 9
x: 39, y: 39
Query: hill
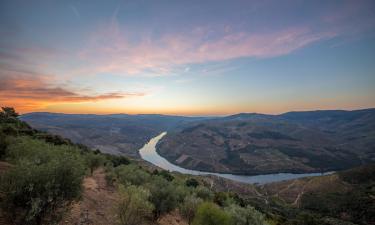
x: 297, y: 142
x: 114, y: 134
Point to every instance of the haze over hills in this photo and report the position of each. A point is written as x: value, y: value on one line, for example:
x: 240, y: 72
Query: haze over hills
x: 296, y: 142
x: 115, y: 133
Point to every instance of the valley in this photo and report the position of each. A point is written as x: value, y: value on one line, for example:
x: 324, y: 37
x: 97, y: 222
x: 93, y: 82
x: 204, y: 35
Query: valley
x: 241, y: 144
x: 118, y: 134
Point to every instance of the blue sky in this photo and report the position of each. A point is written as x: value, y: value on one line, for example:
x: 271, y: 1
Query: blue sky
x: 187, y: 57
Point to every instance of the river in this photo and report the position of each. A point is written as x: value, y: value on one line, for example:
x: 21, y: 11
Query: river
x: 148, y: 153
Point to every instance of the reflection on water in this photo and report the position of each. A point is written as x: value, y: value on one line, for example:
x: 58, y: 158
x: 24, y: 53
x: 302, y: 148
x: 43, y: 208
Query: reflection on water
x: 148, y: 153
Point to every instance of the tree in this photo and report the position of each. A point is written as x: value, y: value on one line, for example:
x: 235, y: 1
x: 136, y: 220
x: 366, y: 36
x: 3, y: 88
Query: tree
x: 210, y: 214
x: 133, y: 207
x: 189, y: 206
x: 245, y: 215
x: 9, y: 112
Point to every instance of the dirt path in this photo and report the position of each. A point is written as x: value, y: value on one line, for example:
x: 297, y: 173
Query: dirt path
x: 96, y: 205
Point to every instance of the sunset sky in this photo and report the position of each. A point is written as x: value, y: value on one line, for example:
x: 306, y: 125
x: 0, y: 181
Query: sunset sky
x: 186, y: 57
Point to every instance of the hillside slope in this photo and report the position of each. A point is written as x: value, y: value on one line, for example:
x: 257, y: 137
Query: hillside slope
x: 292, y: 142
x: 114, y: 134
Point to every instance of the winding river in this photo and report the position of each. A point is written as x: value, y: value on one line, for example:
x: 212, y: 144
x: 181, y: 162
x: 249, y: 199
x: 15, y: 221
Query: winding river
x: 148, y: 153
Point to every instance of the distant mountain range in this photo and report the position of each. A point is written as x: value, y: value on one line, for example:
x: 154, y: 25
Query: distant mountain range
x: 246, y: 143
x: 115, y: 134
x: 296, y: 142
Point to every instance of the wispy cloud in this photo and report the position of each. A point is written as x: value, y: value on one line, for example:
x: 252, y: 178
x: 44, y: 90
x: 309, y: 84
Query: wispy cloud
x: 111, y: 50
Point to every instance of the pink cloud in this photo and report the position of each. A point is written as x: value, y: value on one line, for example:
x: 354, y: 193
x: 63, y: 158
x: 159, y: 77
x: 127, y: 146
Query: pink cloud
x: 111, y: 51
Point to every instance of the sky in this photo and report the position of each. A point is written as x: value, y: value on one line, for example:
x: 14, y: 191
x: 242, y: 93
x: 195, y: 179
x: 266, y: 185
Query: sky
x: 187, y: 57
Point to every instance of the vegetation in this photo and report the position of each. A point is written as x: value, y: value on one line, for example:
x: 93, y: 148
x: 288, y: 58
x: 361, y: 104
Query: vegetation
x: 46, y: 174
x: 189, y: 206
x: 211, y: 214
x: 191, y: 182
x: 245, y: 215
x: 163, y: 196
x: 44, y: 178
x: 133, y: 207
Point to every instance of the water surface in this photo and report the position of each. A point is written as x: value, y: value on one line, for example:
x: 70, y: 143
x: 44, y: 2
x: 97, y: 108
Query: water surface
x: 148, y: 153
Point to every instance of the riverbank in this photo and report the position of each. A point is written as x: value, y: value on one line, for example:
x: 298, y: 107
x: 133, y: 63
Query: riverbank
x: 148, y: 152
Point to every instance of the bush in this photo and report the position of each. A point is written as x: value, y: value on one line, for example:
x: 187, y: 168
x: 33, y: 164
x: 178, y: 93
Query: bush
x: 117, y: 160
x: 43, y: 180
x: 191, y: 182
x: 132, y: 174
x: 245, y: 215
x: 133, y: 207
x: 94, y: 161
x: 163, y: 195
x: 189, y: 207
x: 35, y: 193
x: 3, y: 144
x: 204, y: 193
x: 210, y: 214
x: 166, y: 175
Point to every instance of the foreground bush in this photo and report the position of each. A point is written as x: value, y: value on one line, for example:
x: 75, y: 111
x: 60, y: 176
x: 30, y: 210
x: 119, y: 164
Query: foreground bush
x: 164, y: 196
x: 189, y: 206
x: 133, y: 207
x: 245, y: 215
x: 132, y: 174
x: 42, y: 182
x: 210, y: 214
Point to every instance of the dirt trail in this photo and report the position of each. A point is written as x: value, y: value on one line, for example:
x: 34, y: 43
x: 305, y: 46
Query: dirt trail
x: 96, y: 205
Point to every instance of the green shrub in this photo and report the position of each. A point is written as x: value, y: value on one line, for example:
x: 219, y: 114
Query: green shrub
x: 191, y: 182
x: 166, y: 175
x: 245, y: 215
x: 132, y: 174
x: 163, y: 195
x: 211, y: 214
x: 189, y: 206
x: 94, y: 161
x: 36, y: 192
x: 204, y: 193
x: 42, y: 181
x: 117, y: 160
x: 133, y: 207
